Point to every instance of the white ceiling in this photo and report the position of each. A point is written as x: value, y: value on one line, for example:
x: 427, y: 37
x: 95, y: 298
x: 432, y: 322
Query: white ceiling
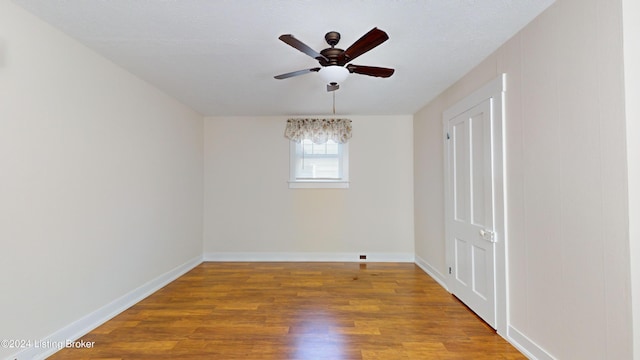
x: 219, y: 56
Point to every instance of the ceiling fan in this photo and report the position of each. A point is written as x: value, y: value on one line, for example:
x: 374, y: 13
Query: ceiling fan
x: 333, y: 60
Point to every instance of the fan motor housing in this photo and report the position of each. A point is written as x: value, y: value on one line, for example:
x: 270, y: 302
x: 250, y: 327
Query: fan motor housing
x: 333, y: 54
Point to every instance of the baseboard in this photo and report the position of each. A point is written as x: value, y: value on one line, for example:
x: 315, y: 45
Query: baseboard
x: 431, y: 271
x: 58, y: 340
x: 529, y: 348
x: 307, y: 256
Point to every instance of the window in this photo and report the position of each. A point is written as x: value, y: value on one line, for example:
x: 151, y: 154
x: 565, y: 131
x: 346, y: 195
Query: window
x: 319, y: 165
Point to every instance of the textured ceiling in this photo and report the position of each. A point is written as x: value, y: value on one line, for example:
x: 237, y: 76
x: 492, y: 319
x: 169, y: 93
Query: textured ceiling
x: 219, y: 56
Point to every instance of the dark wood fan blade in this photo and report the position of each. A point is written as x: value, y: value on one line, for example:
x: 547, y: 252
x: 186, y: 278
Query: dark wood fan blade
x: 367, y: 42
x: 370, y: 70
x: 290, y: 40
x: 296, y: 73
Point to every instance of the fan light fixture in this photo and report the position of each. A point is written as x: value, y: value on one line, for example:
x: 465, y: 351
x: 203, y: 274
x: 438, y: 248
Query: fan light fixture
x: 334, y: 74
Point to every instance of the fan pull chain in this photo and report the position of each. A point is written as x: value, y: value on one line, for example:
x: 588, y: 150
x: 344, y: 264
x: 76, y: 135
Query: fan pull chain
x: 334, y: 102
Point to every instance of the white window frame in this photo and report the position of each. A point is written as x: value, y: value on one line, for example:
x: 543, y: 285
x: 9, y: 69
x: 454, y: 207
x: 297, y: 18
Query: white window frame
x: 295, y: 149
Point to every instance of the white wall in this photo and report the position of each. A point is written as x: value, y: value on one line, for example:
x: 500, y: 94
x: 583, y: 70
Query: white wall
x: 250, y: 213
x: 566, y: 180
x: 631, y: 26
x: 100, y: 180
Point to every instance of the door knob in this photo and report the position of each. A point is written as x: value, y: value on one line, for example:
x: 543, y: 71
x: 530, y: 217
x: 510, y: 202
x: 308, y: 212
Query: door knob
x: 488, y: 235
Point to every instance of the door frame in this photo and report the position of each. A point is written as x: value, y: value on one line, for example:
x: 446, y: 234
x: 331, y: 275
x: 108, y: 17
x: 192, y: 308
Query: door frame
x: 494, y: 90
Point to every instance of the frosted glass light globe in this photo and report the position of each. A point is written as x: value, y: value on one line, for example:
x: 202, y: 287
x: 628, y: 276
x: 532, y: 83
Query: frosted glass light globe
x: 334, y: 74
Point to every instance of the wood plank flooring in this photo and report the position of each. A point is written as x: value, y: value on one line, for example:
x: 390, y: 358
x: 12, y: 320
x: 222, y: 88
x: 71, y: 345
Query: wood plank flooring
x: 333, y: 311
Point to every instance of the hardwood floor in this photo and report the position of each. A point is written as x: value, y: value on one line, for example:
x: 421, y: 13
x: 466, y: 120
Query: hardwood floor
x: 380, y: 311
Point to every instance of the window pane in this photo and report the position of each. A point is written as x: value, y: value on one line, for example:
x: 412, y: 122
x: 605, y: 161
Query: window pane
x: 332, y: 147
x: 307, y: 146
x: 319, y: 167
x: 318, y: 161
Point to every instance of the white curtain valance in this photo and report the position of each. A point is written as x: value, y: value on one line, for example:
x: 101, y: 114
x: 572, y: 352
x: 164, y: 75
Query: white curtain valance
x: 318, y: 130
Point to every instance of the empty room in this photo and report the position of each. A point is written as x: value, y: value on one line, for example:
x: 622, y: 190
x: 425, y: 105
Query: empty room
x: 290, y: 179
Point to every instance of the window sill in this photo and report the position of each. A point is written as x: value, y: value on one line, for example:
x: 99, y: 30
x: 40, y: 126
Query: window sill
x: 318, y: 184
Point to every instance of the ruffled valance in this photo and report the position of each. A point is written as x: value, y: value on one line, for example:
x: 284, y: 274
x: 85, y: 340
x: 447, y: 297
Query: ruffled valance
x: 318, y: 130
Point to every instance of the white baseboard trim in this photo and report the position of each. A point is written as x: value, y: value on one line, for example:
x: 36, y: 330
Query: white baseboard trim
x: 306, y: 256
x: 58, y: 340
x: 431, y: 271
x: 529, y: 348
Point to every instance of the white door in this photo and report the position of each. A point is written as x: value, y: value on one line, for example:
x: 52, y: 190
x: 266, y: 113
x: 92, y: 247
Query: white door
x: 470, y: 214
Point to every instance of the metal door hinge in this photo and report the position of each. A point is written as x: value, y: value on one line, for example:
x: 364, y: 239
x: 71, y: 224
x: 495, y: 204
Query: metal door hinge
x: 448, y: 137
x: 449, y: 269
